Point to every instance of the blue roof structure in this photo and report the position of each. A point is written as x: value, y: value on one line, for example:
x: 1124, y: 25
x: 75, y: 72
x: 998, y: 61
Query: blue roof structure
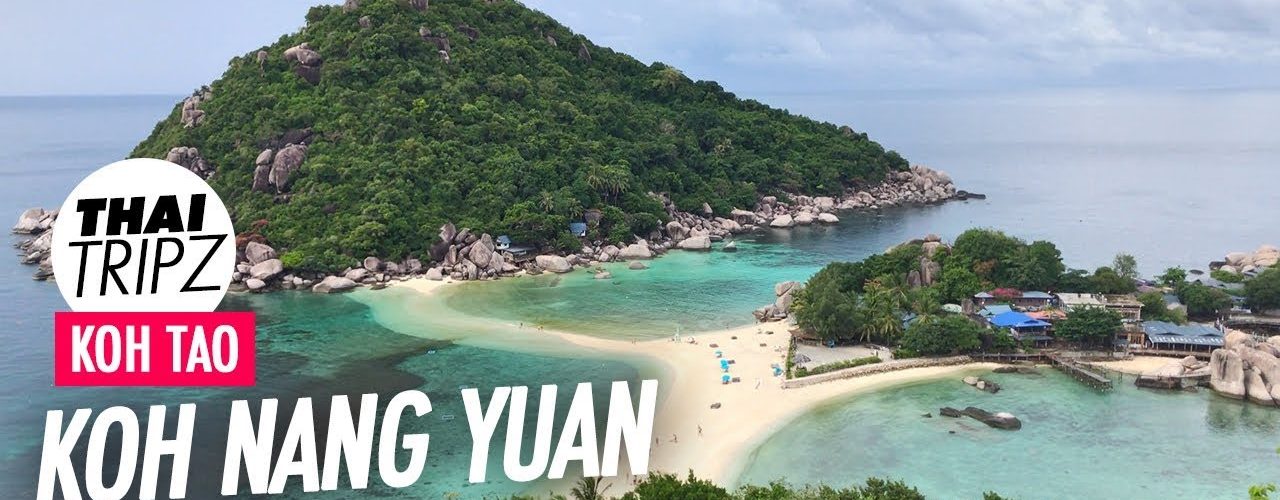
x: 1036, y: 295
x: 1160, y: 332
x: 1016, y: 320
x: 578, y: 228
x: 504, y: 240
x: 982, y: 295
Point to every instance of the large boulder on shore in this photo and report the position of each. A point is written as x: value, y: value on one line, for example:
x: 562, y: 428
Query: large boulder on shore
x: 256, y: 253
x: 635, y: 251
x: 332, y: 284
x: 553, y: 263
x: 29, y: 221
x: 1226, y: 375
x: 266, y: 269
x: 782, y: 221
x: 700, y: 242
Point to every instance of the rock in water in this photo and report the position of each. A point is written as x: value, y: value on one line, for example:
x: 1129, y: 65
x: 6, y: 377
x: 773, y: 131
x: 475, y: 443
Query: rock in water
x: 731, y: 246
x: 333, y: 284
x: 1000, y: 420
x: 695, y: 243
x: 29, y: 221
x: 635, y: 251
x: 553, y: 263
x: 1227, y: 373
x: 782, y: 221
x: 637, y: 266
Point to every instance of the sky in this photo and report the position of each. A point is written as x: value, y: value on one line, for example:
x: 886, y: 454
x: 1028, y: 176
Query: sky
x: 754, y: 46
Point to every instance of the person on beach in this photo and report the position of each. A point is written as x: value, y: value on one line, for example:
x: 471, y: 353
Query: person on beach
x: 675, y: 439
x: 699, y: 431
x: 757, y: 383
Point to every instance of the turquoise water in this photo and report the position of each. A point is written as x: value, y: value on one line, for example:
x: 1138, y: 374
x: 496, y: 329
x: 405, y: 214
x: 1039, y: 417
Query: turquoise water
x: 1075, y: 442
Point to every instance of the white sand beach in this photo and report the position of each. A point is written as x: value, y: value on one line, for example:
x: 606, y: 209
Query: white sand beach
x: 1137, y: 365
x: 690, y: 434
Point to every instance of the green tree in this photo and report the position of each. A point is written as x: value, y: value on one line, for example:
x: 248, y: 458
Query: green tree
x: 1107, y: 280
x: 1034, y: 267
x: 1262, y: 293
x: 1203, y: 301
x: 1125, y: 265
x: 659, y: 486
x: 1173, y: 277
x: 825, y: 309
x: 1090, y: 325
x: 588, y: 488
x: 1154, y: 308
x: 951, y: 334
x: 878, y: 314
x: 958, y: 283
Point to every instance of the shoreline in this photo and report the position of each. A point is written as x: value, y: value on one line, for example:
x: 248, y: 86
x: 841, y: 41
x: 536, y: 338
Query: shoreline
x: 750, y: 411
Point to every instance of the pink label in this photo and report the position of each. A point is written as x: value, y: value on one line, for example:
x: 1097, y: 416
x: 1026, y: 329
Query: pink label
x: 153, y: 349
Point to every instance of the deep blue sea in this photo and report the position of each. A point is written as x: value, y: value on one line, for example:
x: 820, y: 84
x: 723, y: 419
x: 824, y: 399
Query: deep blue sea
x: 1175, y: 178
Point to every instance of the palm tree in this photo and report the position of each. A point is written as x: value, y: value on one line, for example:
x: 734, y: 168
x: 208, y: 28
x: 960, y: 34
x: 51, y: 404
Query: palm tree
x: 588, y: 488
x: 608, y: 180
x: 547, y: 202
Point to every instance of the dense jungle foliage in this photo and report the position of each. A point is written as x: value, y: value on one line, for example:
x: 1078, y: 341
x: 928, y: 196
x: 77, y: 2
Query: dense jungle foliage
x: 514, y: 134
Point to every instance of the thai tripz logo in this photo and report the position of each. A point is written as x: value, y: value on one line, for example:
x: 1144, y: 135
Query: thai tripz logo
x: 143, y: 253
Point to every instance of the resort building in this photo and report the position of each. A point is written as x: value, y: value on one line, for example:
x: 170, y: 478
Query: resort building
x: 513, y: 252
x: 1015, y: 298
x: 1173, y: 337
x: 1022, y: 327
x: 1126, y: 306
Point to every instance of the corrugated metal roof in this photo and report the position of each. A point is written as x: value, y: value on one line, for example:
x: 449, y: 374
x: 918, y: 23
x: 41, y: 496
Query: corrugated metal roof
x: 1036, y: 295
x: 1182, y: 339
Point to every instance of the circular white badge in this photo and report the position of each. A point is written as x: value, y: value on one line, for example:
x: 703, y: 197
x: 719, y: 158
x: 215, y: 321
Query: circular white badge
x: 143, y: 235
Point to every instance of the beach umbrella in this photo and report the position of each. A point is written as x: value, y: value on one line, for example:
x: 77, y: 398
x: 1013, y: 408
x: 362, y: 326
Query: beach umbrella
x: 719, y: 354
x: 801, y: 358
x: 724, y: 379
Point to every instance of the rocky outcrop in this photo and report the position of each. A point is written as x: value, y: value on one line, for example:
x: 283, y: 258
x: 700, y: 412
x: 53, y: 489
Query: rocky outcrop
x: 283, y: 164
x: 350, y: 6
x: 1245, y: 369
x: 583, y: 53
x: 1249, y: 262
x: 419, y: 5
x: 780, y: 309
x: 191, y: 115
x: 35, y: 221
x: 190, y: 159
x: 307, y: 61
x: 1000, y: 420
x: 37, y: 225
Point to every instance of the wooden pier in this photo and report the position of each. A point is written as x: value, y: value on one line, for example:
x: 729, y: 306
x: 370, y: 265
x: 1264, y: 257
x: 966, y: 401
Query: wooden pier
x: 1005, y: 357
x: 1080, y: 372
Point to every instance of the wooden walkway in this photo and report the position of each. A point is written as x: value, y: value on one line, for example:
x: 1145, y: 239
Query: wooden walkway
x: 1081, y: 373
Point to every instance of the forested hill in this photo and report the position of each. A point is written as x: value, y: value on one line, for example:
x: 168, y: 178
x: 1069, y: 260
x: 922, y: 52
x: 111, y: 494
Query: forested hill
x: 488, y: 114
